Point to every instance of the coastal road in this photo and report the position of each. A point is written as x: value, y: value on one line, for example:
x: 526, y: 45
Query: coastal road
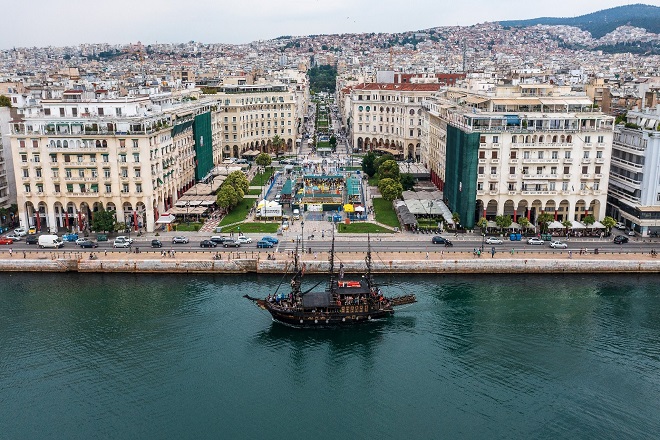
x: 416, y: 244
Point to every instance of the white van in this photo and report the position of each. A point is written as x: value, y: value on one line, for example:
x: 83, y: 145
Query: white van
x: 296, y: 214
x: 50, y: 241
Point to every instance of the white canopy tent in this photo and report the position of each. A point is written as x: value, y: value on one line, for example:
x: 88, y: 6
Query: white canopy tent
x: 597, y: 225
x: 555, y: 225
x: 577, y: 225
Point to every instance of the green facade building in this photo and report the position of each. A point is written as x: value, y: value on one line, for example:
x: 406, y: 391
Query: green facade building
x: 462, y: 160
x: 203, y: 145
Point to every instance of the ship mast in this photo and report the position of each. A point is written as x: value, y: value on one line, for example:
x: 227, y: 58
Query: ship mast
x: 367, y: 260
x: 331, y: 259
x: 298, y: 273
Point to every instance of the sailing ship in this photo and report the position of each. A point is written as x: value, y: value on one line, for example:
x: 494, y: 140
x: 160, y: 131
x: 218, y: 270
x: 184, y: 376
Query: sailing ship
x: 342, y: 302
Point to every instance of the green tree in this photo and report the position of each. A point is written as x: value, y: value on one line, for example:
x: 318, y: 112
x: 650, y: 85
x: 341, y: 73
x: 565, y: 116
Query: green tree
x: 238, y: 180
x: 104, y: 221
x: 263, y: 160
x: 503, y: 221
x: 544, y: 219
x: 456, y: 218
x: 608, y: 222
x: 483, y: 224
x: 567, y: 224
x: 5, y: 101
x: 368, y: 164
x: 523, y: 222
x: 407, y: 181
x: 382, y: 159
x: 227, y: 197
x: 589, y: 220
x: 390, y: 189
x: 333, y: 142
x: 388, y: 170
x: 277, y: 143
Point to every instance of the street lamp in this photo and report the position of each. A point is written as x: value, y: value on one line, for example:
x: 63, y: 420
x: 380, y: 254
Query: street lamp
x: 302, y: 236
x: 483, y: 239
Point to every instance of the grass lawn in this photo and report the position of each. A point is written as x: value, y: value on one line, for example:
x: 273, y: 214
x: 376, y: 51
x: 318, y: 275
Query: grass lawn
x: 373, y: 181
x: 253, y: 192
x: 361, y: 228
x: 188, y: 227
x: 385, y: 213
x: 265, y: 228
x: 260, y: 178
x: 238, y: 214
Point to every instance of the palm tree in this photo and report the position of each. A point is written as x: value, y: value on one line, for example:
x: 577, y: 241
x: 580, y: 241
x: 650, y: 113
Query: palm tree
x: 277, y: 143
x: 567, y: 224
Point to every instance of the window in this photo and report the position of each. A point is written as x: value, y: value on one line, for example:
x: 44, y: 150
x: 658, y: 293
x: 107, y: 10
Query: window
x: 95, y: 173
x: 27, y: 188
x: 480, y: 186
x: 106, y: 158
x: 587, y: 139
x: 597, y: 170
x: 80, y: 158
x: 540, y: 154
x: 553, y: 171
x: 122, y: 158
x: 482, y: 155
x: 512, y: 170
x: 596, y: 186
x: 601, y: 139
x: 106, y: 173
x: 40, y: 188
x: 513, y: 155
x: 26, y: 173
x: 92, y: 158
x: 493, y: 170
x: 482, y: 139
x: 124, y: 187
x: 137, y: 172
x: 57, y: 188
x: 599, y: 154
x: 555, y: 155
x: 122, y: 143
x: 564, y: 186
x: 567, y: 170
x: 567, y: 154
x: 124, y: 172
x: 67, y: 173
x: 539, y: 170
x: 551, y: 186
x: 53, y: 158
x: 492, y: 186
x: 136, y: 157
x: 481, y: 170
x: 494, y: 155
x: 585, y: 170
x: 583, y: 186
x: 525, y: 170
x: 35, y: 143
x: 56, y: 173
x: 496, y: 139
x: 138, y: 188
x: 108, y: 188
x: 526, y: 155
x: 81, y: 174
x: 512, y: 186
x: 23, y: 158
x: 586, y: 155
x: 38, y: 171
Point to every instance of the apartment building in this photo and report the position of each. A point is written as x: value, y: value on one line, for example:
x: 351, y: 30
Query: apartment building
x: 519, y: 151
x: 387, y: 117
x: 634, y: 190
x: 85, y: 152
x: 252, y: 115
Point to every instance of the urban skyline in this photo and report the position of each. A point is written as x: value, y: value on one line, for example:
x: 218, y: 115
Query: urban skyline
x: 217, y: 22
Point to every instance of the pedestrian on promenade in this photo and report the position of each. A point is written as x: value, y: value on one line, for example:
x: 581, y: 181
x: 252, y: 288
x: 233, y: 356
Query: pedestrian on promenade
x: 492, y: 252
x: 11, y: 252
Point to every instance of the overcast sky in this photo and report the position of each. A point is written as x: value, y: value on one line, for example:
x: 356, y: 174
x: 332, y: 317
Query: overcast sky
x: 70, y: 22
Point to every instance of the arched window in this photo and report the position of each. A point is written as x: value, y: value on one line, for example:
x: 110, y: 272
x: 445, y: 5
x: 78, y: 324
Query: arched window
x: 59, y: 144
x: 569, y: 138
x: 105, y: 143
x: 541, y: 139
x: 98, y: 143
x: 360, y: 108
x: 412, y: 111
x: 554, y: 139
x: 381, y: 109
x: 514, y: 139
x: 368, y: 108
x: 65, y: 144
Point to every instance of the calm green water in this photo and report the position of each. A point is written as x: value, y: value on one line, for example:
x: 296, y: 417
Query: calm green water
x: 186, y: 357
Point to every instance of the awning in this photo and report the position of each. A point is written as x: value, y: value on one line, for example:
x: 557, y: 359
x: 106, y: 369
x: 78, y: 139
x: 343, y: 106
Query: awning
x: 251, y: 153
x: 165, y: 219
x: 597, y: 225
x: 349, y: 208
x: 555, y: 225
x: 576, y: 225
x: 359, y: 209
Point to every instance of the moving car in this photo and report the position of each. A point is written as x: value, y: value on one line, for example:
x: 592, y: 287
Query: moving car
x: 13, y: 236
x: 631, y: 233
x: 439, y: 240
x: 5, y: 240
x: 620, y: 225
x: 494, y: 240
x: 620, y: 239
x: 82, y: 240
x: 556, y: 244
x: 125, y: 238
x: 535, y: 240
x: 207, y: 244
x: 271, y: 239
x: 156, y: 244
x: 180, y: 239
x: 217, y: 239
x: 20, y: 231
x: 31, y: 239
x: 231, y: 243
x: 242, y: 239
x: 87, y: 243
x: 264, y: 244
x: 120, y: 242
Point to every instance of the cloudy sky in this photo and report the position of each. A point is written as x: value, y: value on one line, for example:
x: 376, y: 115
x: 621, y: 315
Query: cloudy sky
x: 70, y: 22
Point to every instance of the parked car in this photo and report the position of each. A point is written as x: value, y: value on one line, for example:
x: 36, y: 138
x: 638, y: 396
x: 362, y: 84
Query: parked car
x: 217, y: 239
x: 620, y: 225
x: 494, y: 240
x: 180, y: 239
x: 242, y: 239
x: 20, y: 231
x: 535, y: 240
x: 271, y: 239
x: 556, y: 244
x: 82, y: 240
x: 14, y: 236
x: 31, y: 239
x: 620, y: 239
x: 50, y: 241
x: 207, y: 244
x: 631, y: 233
x: 32, y: 230
x: 87, y: 244
x: 264, y: 244
x: 439, y: 240
x: 5, y: 240
x: 120, y: 242
x: 156, y: 244
x: 231, y: 243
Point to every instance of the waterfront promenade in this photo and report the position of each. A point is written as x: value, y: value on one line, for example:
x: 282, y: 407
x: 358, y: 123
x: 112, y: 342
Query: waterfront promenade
x: 250, y: 261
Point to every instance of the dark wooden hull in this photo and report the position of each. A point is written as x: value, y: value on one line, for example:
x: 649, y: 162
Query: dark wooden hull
x: 310, y: 320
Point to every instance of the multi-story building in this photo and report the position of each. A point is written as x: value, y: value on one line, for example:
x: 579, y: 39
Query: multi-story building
x: 252, y: 115
x: 634, y: 190
x: 89, y: 151
x: 519, y: 151
x: 387, y: 117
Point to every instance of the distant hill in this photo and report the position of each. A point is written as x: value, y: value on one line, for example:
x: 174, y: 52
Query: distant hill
x: 603, y: 22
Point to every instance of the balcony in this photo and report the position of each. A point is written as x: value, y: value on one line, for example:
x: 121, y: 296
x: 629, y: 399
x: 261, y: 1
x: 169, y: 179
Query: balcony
x: 513, y: 176
x: 588, y: 145
x: 513, y: 160
x: 586, y: 160
x: 496, y: 145
x: 481, y: 193
x: 585, y: 176
x: 566, y: 176
x: 513, y: 193
x: 495, y: 161
x: 598, y: 176
x: 600, y: 160
x: 482, y: 160
x: 568, y: 160
x: 493, y: 193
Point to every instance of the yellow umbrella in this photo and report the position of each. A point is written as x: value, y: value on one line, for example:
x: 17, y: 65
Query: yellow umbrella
x: 349, y: 208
